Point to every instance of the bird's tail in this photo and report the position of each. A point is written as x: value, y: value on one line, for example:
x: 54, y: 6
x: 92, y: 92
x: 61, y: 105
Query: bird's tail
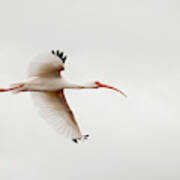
x: 80, y: 139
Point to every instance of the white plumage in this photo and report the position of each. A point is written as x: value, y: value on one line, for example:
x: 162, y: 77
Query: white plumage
x: 54, y: 108
x: 45, y: 64
x: 47, y: 86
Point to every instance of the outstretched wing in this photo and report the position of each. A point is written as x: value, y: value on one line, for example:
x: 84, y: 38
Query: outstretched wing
x: 54, y: 108
x: 47, y: 64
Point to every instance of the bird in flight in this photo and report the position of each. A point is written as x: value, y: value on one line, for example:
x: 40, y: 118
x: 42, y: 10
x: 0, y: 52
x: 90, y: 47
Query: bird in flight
x: 47, y: 86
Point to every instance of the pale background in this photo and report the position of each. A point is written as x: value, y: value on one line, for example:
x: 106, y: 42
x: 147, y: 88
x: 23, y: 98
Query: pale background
x: 133, y: 45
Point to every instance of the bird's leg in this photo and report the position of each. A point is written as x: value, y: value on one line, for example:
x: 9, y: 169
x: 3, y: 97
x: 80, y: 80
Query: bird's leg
x: 13, y: 88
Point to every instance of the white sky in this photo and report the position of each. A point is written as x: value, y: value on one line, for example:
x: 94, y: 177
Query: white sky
x: 133, y: 45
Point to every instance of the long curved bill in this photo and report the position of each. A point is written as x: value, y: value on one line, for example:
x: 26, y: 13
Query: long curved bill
x: 110, y: 87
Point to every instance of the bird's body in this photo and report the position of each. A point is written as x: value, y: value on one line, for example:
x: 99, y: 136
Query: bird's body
x: 47, y: 86
x: 44, y: 84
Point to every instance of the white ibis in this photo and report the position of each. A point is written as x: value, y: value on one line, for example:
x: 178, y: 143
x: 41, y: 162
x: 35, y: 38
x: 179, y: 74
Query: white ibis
x: 47, y: 87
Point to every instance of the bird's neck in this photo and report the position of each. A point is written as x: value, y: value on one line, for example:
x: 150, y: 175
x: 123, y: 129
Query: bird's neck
x: 81, y: 86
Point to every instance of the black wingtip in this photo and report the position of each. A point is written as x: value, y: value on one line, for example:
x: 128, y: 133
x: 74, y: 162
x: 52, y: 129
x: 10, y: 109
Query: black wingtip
x: 75, y: 141
x: 86, y: 136
x: 60, y: 55
x: 83, y: 137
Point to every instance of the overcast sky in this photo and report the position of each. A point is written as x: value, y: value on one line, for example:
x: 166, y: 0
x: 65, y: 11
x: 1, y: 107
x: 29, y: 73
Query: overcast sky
x: 133, y: 45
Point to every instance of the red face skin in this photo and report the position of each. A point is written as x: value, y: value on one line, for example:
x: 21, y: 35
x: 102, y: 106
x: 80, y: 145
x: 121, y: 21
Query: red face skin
x: 100, y: 85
